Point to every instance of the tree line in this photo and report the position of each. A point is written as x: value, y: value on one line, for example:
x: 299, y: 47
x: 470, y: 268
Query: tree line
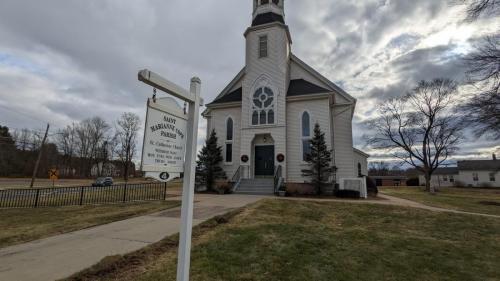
x: 85, y: 149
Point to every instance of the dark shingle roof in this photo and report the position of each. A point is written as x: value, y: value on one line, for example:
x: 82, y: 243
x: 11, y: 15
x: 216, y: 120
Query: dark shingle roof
x: 446, y: 171
x: 300, y: 87
x: 234, y: 96
x: 479, y: 165
x: 267, y: 18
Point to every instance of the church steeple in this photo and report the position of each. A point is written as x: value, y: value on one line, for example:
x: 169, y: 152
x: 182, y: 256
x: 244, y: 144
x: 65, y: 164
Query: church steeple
x: 268, y: 11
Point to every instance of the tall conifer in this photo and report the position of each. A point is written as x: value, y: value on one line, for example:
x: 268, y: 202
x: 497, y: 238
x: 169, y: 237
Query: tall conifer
x: 319, y: 161
x: 208, y: 167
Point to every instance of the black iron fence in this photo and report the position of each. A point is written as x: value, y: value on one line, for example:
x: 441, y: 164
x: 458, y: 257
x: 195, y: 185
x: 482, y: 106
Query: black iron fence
x: 82, y: 195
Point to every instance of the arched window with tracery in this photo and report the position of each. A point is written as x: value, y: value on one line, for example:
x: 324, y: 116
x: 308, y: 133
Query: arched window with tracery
x: 263, y: 107
x: 306, y: 135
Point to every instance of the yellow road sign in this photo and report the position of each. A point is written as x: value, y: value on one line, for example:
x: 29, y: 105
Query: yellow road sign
x: 53, y: 174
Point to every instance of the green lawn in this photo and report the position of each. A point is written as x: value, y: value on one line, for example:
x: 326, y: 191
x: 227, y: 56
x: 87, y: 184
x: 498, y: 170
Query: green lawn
x: 293, y: 240
x: 22, y: 225
x: 486, y: 201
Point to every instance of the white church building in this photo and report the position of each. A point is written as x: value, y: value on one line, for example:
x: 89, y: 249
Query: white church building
x: 265, y: 117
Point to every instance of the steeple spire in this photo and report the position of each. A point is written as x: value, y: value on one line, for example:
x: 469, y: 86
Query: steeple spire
x: 267, y: 11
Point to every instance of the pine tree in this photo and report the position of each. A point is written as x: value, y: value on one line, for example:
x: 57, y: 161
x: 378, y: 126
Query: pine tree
x: 319, y: 160
x: 208, y: 167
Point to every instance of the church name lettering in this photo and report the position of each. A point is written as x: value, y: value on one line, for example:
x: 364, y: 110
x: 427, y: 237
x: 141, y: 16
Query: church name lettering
x: 165, y: 144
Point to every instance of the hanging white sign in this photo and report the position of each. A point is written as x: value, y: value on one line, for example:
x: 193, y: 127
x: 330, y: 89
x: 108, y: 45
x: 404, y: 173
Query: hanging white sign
x: 164, y: 140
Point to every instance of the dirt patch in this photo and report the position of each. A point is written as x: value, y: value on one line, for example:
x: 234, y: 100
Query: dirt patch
x: 490, y: 203
x: 133, y: 264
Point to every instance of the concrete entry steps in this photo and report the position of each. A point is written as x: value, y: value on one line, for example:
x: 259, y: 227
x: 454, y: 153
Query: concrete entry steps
x: 258, y: 186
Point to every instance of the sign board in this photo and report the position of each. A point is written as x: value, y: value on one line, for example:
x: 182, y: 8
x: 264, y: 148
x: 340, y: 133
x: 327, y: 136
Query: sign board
x: 170, y: 139
x: 53, y: 174
x: 164, y: 140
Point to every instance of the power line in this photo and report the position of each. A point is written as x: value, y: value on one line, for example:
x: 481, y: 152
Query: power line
x: 21, y: 113
x: 27, y: 116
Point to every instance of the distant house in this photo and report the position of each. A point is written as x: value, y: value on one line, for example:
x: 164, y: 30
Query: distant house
x: 470, y: 173
x: 111, y: 169
x: 442, y: 177
x: 390, y: 180
x: 106, y: 170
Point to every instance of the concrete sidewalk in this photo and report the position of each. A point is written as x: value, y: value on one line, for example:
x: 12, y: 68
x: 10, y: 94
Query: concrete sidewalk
x: 62, y: 255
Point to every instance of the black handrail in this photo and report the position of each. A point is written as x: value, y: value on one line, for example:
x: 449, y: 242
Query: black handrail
x: 277, y: 177
x: 236, y: 177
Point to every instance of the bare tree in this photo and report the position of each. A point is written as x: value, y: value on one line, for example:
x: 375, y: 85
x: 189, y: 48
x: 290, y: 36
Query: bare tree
x: 127, y: 128
x: 24, y: 139
x: 379, y: 169
x: 99, y: 137
x: 91, y: 135
x: 476, y: 8
x: 66, y: 140
x: 483, y: 108
x: 418, y: 128
x: 82, y: 131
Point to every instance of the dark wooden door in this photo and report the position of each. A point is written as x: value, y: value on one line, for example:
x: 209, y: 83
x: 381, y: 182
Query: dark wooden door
x: 264, y: 160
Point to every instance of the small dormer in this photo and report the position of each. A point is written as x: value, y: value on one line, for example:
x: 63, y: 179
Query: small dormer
x: 268, y: 11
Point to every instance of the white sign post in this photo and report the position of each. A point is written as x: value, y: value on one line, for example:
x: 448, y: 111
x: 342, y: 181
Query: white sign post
x: 194, y: 101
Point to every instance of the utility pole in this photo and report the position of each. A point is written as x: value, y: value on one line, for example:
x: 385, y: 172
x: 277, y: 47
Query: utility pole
x: 35, y: 170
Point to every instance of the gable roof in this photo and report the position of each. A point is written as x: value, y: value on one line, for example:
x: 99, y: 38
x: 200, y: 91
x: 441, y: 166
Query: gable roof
x: 267, y: 18
x: 300, y: 87
x: 233, y: 96
x: 323, y: 79
x: 479, y: 165
x: 297, y: 87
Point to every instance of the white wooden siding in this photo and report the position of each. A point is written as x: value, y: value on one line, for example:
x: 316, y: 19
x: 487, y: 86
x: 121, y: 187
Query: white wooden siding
x: 467, y: 178
x: 363, y: 160
x: 342, y: 134
x: 274, y: 68
x: 218, y: 122
x: 319, y: 113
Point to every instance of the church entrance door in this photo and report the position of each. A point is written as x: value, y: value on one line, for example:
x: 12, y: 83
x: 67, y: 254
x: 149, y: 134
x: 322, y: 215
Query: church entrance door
x: 264, y: 160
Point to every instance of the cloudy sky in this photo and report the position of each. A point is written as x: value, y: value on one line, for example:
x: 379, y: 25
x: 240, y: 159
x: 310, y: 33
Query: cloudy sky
x: 64, y: 61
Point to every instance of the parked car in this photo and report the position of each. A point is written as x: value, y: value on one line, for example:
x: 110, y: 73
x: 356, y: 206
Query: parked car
x: 100, y: 182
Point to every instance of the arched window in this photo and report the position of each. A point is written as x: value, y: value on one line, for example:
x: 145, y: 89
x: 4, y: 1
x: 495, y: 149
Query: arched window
x: 270, y: 117
x: 255, y: 118
x: 360, y: 173
x: 306, y: 136
x: 229, y: 129
x: 263, y: 111
x: 229, y: 140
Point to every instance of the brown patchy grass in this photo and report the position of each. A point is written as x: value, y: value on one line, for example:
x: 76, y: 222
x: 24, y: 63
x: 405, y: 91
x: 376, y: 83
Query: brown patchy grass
x: 485, y: 201
x: 23, y: 225
x: 294, y: 240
